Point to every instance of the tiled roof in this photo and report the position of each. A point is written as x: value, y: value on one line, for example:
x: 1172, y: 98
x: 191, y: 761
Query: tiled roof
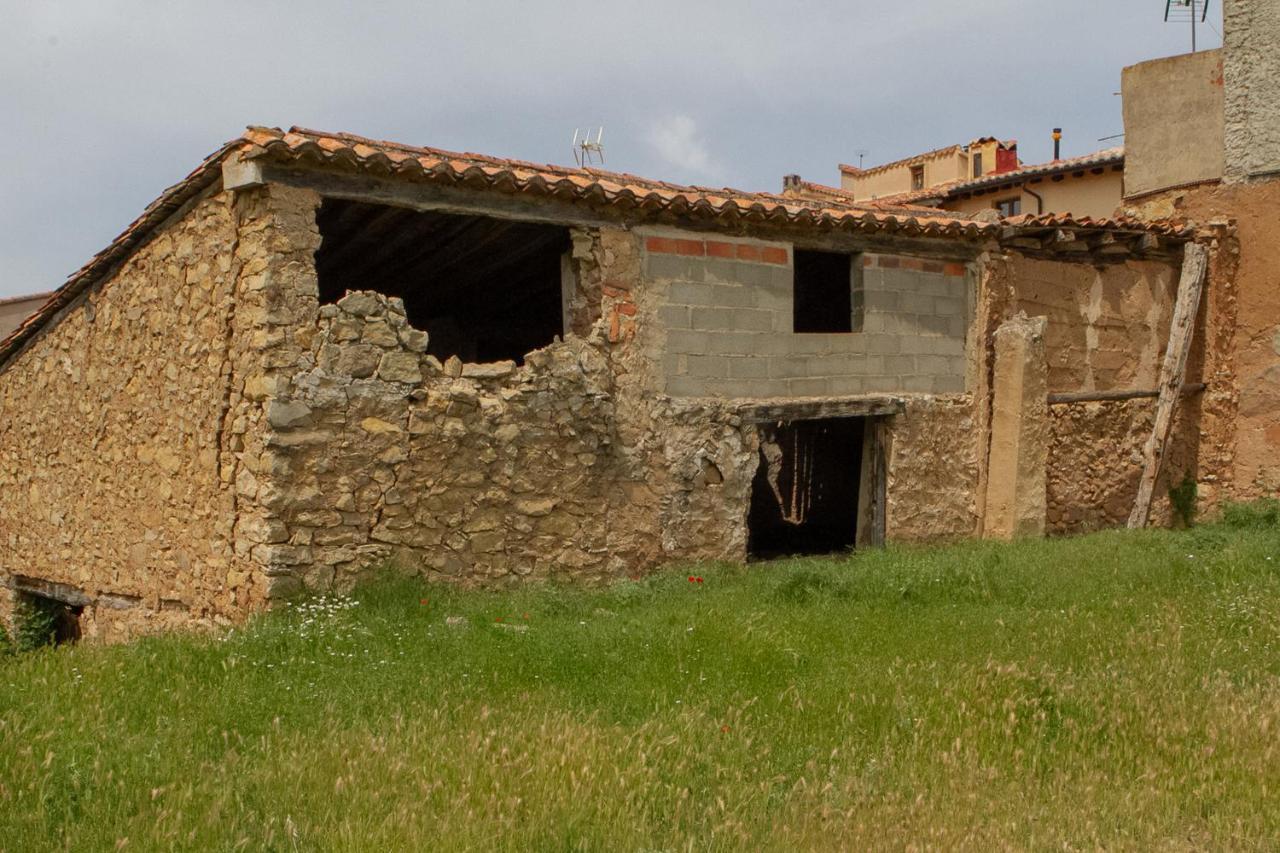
x: 626, y: 193
x: 905, y: 161
x: 1098, y: 159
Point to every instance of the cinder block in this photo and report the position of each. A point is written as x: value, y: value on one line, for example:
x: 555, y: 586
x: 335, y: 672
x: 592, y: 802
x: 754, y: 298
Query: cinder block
x: 932, y: 324
x: 846, y: 385
x: 721, y: 272
x: 811, y: 387
x: 674, y: 316
x: 734, y: 296
x: 932, y: 365
x: 712, y: 318
x: 748, y: 368
x: 917, y: 384
x: 687, y: 386
x: 948, y: 384
x: 899, y: 365
x: 948, y: 306
x: 673, y: 267
x: 751, y: 320
x: 916, y: 303
x: 687, y: 341
x: 690, y: 293
x: 709, y: 366
x: 882, y: 344
x: 791, y: 367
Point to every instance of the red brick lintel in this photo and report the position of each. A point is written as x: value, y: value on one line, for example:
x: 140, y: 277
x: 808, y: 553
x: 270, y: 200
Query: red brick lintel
x: 717, y: 249
x: 890, y: 262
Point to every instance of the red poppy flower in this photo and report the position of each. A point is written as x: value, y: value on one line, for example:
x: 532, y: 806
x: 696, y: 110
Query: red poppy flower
x: 724, y: 729
x: 699, y: 580
x: 690, y: 578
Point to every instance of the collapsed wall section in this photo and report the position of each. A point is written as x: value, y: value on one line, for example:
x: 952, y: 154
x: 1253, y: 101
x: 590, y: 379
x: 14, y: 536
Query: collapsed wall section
x: 117, y: 468
x: 375, y: 451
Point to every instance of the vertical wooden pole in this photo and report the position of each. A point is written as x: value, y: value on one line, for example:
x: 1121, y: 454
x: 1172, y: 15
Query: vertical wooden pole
x: 873, y: 487
x: 1195, y: 263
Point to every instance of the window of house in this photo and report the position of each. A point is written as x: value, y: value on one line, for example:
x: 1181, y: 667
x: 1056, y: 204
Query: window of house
x: 917, y: 177
x: 484, y: 289
x: 1009, y: 206
x: 977, y: 164
x: 827, y: 296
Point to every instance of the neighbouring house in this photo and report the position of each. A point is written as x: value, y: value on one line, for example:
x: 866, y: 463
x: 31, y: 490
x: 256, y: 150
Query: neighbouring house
x: 15, y: 309
x: 955, y: 179
x: 320, y: 353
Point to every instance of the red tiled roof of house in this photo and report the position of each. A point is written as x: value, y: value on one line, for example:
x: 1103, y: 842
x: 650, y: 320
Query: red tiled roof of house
x: 1097, y: 159
x: 643, y: 197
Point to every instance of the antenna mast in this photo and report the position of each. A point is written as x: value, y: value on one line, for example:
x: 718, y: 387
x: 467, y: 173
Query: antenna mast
x: 588, y: 151
x: 1178, y: 11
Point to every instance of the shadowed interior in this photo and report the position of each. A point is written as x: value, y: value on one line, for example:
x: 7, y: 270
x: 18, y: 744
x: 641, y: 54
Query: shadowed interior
x: 484, y: 289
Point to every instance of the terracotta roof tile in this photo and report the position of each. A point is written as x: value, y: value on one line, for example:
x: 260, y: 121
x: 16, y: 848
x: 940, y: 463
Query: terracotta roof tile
x: 589, y: 186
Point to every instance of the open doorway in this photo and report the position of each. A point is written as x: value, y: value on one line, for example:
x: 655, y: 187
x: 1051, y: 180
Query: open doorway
x: 44, y: 621
x: 805, y: 496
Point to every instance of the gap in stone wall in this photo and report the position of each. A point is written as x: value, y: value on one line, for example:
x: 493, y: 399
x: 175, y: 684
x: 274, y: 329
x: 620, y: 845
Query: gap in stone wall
x: 484, y: 289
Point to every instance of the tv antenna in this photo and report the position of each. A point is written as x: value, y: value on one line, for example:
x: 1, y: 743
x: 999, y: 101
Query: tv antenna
x: 861, y: 152
x: 588, y: 151
x: 1179, y: 11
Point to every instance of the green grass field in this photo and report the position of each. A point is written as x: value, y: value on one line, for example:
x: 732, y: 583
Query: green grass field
x: 1119, y: 690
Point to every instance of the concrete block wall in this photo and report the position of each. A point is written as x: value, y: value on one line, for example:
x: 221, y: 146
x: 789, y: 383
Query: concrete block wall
x: 726, y: 309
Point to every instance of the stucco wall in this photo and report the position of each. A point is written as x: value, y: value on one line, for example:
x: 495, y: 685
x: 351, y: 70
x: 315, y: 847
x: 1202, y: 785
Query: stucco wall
x: 1173, y: 123
x: 727, y: 322
x: 1090, y: 195
x: 1251, y: 30
x: 117, y: 463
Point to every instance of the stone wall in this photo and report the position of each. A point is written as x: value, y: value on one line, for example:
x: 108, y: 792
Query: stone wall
x: 934, y: 460
x: 726, y: 306
x: 376, y: 451
x: 116, y: 462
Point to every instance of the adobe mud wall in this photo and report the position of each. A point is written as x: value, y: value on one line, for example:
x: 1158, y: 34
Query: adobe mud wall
x: 1106, y: 331
x: 117, y: 453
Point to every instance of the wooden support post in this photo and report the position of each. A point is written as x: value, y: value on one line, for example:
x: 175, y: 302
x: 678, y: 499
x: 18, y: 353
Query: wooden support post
x: 1195, y: 263
x: 873, y: 488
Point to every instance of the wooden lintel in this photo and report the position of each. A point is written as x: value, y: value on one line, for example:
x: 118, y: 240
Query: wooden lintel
x: 775, y: 410
x: 1147, y: 242
x: 62, y: 592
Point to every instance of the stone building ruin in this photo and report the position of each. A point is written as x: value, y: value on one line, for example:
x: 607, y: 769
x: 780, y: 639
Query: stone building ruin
x: 320, y: 353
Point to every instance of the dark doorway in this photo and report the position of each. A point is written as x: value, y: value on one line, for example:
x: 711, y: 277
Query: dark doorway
x: 804, y: 499
x: 44, y: 621
x: 484, y: 289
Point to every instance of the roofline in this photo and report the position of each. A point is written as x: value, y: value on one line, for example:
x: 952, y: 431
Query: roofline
x: 642, y: 198
x: 928, y: 155
x: 12, y: 300
x: 1106, y: 157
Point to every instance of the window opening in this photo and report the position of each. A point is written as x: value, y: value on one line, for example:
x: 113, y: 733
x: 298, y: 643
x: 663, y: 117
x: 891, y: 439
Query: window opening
x: 826, y: 292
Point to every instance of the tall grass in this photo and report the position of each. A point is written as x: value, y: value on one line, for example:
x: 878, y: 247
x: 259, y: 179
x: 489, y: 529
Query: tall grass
x: 1118, y: 690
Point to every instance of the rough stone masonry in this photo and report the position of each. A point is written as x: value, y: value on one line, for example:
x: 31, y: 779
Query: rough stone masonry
x: 189, y: 431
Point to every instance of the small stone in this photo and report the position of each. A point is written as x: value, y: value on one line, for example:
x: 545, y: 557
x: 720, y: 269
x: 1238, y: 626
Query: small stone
x: 399, y: 366
x: 491, y: 370
x: 283, y: 415
x: 536, y: 507
x: 362, y: 303
x: 453, y: 366
x: 457, y: 621
x: 379, y: 334
x: 414, y: 339
x: 358, y: 361
x: 378, y: 426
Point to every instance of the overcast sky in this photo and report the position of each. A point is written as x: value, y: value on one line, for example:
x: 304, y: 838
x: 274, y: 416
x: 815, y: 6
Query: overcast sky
x: 104, y: 103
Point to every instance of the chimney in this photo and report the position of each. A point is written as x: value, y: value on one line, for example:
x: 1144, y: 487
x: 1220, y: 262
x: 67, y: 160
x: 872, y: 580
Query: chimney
x: 790, y: 182
x: 1057, y: 143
